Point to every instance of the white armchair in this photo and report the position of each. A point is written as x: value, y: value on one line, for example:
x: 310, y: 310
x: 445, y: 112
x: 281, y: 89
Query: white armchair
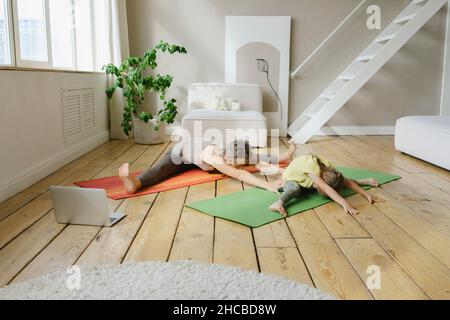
x: 249, y: 123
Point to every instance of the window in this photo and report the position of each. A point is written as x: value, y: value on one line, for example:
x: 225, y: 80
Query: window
x: 62, y: 35
x: 5, y: 34
x: 32, y: 33
x: 59, y: 34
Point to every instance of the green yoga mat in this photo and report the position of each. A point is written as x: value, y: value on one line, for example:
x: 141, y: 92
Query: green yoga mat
x: 250, y: 207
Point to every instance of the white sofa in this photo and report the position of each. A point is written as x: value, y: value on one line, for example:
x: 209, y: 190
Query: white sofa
x: 249, y: 123
x: 426, y: 138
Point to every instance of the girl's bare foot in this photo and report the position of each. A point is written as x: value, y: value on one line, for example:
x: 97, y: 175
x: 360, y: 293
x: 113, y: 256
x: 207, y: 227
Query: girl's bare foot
x: 131, y: 183
x: 278, y: 207
x: 289, y: 155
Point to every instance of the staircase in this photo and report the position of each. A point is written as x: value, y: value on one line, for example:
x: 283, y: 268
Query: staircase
x: 363, y: 68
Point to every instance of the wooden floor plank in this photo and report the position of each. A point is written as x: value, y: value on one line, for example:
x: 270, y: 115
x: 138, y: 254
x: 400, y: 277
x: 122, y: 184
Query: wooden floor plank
x: 63, y: 251
x: 328, y: 266
x: 15, y: 203
x: 340, y: 224
x: 19, y: 252
x: 73, y: 240
x: 426, y: 270
x: 111, y: 244
x: 194, y: 239
x: 419, y: 229
x: 435, y: 181
x: 130, y: 156
x: 65, y: 172
x: 13, y: 225
x: 154, y: 240
x: 434, y: 214
x: 276, y: 248
x: 284, y: 262
x: 407, y: 236
x: 33, y: 240
x: 274, y: 235
x: 386, y: 161
x: 94, y: 168
x: 387, y: 144
x: 395, y: 284
x: 60, y: 253
x: 233, y: 243
x: 20, y: 220
x: 417, y: 272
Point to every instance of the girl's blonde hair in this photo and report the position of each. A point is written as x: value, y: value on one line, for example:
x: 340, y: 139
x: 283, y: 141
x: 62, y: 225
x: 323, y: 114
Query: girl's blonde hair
x: 332, y: 177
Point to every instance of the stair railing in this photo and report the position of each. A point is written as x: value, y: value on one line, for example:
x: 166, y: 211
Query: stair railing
x: 330, y: 36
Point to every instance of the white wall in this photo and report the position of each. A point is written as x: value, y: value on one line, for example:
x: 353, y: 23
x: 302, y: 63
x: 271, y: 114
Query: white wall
x: 31, y: 131
x: 409, y: 84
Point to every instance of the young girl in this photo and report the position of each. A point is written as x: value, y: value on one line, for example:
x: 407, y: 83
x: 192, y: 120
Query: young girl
x: 311, y: 172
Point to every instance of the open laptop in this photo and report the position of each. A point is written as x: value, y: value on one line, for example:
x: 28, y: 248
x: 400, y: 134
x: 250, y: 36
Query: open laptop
x: 79, y: 206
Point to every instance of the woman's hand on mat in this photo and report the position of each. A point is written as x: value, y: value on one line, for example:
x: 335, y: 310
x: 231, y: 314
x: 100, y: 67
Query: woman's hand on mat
x: 274, y: 186
x: 350, y: 209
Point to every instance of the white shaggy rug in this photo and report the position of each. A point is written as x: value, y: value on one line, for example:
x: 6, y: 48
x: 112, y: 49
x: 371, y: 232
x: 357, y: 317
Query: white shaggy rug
x: 184, y: 280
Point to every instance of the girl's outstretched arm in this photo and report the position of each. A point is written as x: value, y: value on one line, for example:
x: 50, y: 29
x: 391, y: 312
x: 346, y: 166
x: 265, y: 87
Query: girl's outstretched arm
x: 355, y: 186
x: 333, y: 194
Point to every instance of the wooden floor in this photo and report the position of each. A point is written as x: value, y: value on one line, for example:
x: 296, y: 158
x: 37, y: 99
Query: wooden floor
x: 408, y: 236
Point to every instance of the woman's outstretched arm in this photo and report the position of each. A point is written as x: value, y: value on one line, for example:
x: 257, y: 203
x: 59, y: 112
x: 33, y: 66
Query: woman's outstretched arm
x: 246, y: 177
x: 240, y: 175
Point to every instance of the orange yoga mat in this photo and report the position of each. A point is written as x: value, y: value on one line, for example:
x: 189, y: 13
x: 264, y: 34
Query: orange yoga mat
x: 114, y: 187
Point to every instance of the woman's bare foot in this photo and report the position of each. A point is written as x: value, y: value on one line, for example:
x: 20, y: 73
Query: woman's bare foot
x: 373, y: 182
x: 369, y: 182
x: 278, y: 207
x: 131, y: 183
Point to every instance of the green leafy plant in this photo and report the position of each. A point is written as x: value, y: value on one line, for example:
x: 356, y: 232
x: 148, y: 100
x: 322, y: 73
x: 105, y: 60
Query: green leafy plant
x: 132, y: 76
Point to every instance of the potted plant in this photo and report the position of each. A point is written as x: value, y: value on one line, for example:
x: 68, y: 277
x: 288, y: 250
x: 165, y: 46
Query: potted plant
x: 135, y: 80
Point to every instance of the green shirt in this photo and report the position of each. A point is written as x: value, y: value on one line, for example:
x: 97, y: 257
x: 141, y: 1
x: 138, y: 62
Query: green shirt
x: 300, y: 167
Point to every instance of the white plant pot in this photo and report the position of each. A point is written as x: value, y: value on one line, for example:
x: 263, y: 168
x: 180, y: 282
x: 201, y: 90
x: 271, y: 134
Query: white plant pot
x: 145, y: 133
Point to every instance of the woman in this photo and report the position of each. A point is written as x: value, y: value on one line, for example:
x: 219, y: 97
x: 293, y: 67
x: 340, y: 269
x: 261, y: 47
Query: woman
x: 229, y: 162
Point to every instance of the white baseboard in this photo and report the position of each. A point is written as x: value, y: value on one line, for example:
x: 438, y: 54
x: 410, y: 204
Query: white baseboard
x: 22, y: 180
x: 332, y: 131
x: 357, y: 131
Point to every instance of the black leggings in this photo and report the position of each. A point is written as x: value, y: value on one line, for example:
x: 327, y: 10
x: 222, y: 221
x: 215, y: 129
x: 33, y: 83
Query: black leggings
x: 164, y: 169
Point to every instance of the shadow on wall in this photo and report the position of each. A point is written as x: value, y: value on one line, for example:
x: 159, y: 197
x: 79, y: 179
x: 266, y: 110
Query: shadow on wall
x: 247, y: 71
x: 201, y: 60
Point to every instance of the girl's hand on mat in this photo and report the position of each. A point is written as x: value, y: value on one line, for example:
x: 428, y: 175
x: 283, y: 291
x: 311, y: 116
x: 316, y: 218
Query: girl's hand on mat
x: 350, y: 209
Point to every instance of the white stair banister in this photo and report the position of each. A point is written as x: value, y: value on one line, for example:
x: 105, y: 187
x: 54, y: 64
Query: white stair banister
x: 363, y: 68
x: 330, y: 36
